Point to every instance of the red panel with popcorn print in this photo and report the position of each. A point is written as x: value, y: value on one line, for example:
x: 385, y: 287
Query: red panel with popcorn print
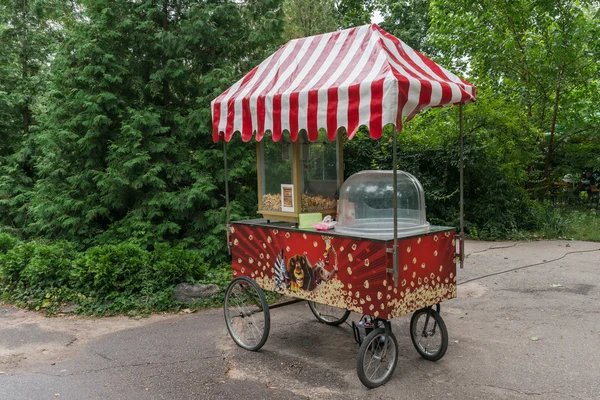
x: 338, y: 271
x: 427, y: 273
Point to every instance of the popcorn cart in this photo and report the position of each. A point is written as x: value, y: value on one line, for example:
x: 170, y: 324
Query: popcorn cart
x: 382, y: 259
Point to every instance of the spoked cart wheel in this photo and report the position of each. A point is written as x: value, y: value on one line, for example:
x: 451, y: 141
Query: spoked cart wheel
x: 429, y: 334
x: 377, y: 357
x: 247, y: 313
x: 327, y: 314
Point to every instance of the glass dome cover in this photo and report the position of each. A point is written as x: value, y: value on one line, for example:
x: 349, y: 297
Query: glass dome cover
x: 366, y: 205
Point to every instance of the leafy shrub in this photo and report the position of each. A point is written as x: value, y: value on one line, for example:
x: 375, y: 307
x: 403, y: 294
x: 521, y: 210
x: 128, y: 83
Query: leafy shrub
x: 7, y: 242
x: 111, y: 270
x: 103, y: 280
x: 173, y: 265
x: 14, y: 262
x: 49, y: 266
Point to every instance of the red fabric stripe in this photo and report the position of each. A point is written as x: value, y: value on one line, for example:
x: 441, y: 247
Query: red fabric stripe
x: 350, y: 67
x: 353, y: 104
x: 260, y: 102
x: 294, y: 116
x: 229, y: 126
x: 375, y: 125
x: 276, y: 75
x: 313, y: 104
x: 354, y: 95
x: 216, y: 120
x: 246, y: 120
x: 405, y: 57
x: 277, y: 118
x: 332, y: 105
x: 260, y: 112
x: 446, y: 93
x: 434, y: 67
x: 312, y: 108
x: 300, y: 64
x: 313, y: 97
x: 346, y: 46
x: 402, y: 99
x: 231, y: 104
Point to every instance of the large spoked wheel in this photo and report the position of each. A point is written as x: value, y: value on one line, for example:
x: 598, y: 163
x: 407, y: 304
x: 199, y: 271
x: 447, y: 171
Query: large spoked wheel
x: 247, y: 314
x: 429, y: 334
x: 377, y: 358
x: 327, y: 314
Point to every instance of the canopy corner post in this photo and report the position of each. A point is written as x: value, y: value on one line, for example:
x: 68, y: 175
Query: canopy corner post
x: 462, y: 192
x: 395, y: 204
x: 226, y: 177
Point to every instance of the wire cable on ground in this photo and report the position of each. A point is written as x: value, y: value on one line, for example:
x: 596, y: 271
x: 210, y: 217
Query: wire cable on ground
x: 527, y: 266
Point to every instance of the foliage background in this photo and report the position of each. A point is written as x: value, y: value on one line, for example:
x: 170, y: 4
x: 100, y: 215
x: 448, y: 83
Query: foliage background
x: 106, y: 160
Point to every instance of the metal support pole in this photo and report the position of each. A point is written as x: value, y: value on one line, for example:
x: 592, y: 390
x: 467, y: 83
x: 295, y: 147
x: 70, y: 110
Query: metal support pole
x: 462, y: 191
x: 226, y: 194
x: 395, y: 204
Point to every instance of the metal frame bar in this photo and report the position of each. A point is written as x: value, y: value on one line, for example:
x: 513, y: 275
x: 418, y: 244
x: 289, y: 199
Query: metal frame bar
x: 226, y: 177
x: 462, y: 191
x: 395, y: 204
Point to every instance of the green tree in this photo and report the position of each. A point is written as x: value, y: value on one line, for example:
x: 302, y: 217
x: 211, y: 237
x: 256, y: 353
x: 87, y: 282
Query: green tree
x: 29, y: 34
x: 408, y: 20
x: 540, y: 53
x: 308, y: 18
x: 352, y: 13
x: 127, y: 150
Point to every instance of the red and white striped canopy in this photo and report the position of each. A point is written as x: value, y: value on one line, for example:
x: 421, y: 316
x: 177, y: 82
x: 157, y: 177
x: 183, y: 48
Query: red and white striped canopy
x: 358, y: 76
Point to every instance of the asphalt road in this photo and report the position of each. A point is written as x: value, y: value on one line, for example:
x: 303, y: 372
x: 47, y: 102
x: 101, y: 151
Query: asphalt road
x: 491, y: 353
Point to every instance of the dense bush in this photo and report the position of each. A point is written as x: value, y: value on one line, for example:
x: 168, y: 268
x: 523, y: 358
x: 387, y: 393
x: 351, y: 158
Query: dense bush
x: 102, y: 280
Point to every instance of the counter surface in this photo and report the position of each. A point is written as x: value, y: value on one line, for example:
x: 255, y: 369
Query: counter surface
x: 293, y: 227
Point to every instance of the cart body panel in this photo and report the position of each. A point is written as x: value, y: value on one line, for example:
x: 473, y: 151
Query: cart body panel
x: 344, y: 271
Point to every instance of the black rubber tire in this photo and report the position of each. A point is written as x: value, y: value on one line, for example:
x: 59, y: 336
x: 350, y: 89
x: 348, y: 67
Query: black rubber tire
x: 437, y: 327
x: 375, y: 336
x: 329, y: 321
x: 255, y: 297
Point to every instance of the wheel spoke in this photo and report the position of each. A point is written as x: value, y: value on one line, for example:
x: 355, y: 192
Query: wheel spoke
x: 246, y: 314
x: 429, y: 335
x: 377, y: 358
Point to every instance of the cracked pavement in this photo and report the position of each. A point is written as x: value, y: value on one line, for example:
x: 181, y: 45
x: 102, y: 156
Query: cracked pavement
x: 490, y: 355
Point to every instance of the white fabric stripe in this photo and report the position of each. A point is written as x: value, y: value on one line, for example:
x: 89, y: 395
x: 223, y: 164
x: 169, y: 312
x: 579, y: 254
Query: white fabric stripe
x: 342, y: 107
x: 303, y: 96
x: 361, y: 63
x: 271, y: 74
x: 456, y: 95
x: 450, y: 78
x: 250, y: 85
x: 234, y: 89
x: 414, y: 88
x: 223, y: 105
x: 355, y: 46
x: 436, y: 94
x: 281, y: 79
x: 415, y: 57
x: 364, y: 108
x: 390, y: 100
x: 342, y: 94
x: 325, y: 67
x: 436, y: 91
x: 414, y: 93
x: 342, y: 114
x: 405, y: 64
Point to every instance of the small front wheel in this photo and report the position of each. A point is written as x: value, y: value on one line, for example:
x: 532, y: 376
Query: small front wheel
x: 377, y: 358
x: 247, y: 313
x: 429, y: 334
x: 327, y: 314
